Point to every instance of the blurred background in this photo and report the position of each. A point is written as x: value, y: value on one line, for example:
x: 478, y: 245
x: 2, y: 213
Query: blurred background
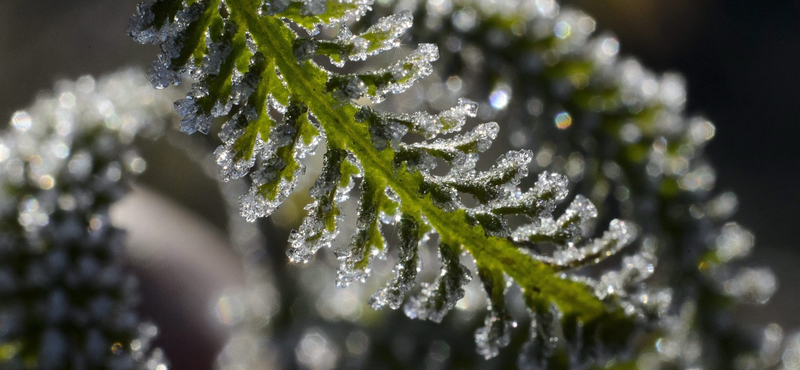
x: 740, y: 59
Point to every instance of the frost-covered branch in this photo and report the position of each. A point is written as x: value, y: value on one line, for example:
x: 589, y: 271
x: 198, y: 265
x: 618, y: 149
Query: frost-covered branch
x: 259, y: 74
x: 616, y: 130
x: 65, y: 299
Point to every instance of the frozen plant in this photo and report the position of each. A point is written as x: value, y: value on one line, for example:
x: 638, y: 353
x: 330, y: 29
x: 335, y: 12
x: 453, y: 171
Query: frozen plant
x: 257, y: 71
x: 66, y: 302
x: 275, y: 79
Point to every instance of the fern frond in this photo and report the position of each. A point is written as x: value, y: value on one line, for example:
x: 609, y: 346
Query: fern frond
x: 255, y: 70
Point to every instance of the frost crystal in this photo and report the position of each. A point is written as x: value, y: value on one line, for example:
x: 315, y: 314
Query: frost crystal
x: 275, y: 6
x: 320, y: 227
x: 543, y: 339
x: 403, y: 74
x: 141, y: 25
x: 394, y: 79
x: 496, y: 330
x: 441, y: 296
x: 381, y: 36
x: 563, y: 230
x: 460, y: 151
x: 411, y: 233
x: 494, y: 334
x: 193, y: 120
x: 376, y: 206
x: 314, y: 7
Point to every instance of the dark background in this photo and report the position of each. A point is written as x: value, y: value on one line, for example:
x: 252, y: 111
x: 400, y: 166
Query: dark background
x: 741, y: 60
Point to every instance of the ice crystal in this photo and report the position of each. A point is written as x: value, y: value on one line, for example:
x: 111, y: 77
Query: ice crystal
x: 532, y: 355
x: 368, y: 241
x: 405, y: 73
x: 460, y: 151
x: 393, y: 79
x: 333, y: 186
x: 494, y: 334
x: 438, y: 298
x: 383, y: 35
x: 496, y: 330
x: 412, y: 233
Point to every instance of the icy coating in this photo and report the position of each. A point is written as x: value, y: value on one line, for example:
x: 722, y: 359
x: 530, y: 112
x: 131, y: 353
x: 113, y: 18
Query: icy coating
x: 439, y: 297
x: 412, y: 234
x: 376, y: 207
x: 544, y: 337
x: 403, y: 74
x: 66, y: 298
x: 319, y: 227
x: 382, y: 36
x: 496, y: 330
